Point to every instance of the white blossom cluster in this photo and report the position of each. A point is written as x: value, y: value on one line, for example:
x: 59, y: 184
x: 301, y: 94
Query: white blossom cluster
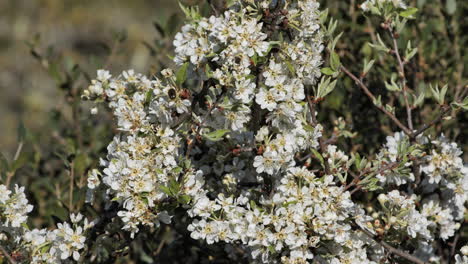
x: 58, y: 245
x: 463, y: 258
x: 369, y: 4
x: 14, y: 207
x: 302, y: 213
x: 229, y: 149
x: 443, y: 169
x: 144, y: 158
x: 39, y: 245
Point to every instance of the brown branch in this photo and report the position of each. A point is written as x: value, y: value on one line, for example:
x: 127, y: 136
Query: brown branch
x: 445, y: 110
x: 5, y: 253
x: 402, y: 75
x: 372, y: 97
x: 391, y: 249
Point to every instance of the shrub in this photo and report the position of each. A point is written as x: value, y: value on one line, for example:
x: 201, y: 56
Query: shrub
x: 237, y: 156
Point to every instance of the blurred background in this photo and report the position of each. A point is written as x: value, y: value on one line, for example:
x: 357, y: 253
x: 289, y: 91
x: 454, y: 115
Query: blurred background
x: 82, y: 32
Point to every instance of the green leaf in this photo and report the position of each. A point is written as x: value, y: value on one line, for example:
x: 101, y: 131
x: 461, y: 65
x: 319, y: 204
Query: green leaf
x: 318, y: 156
x: 216, y: 135
x: 165, y: 190
x: 327, y: 71
x: 335, y: 61
x: 181, y: 74
x: 463, y: 105
x: 185, y: 199
x: 290, y: 67
x: 408, y: 13
x: 367, y: 66
x: 174, y: 187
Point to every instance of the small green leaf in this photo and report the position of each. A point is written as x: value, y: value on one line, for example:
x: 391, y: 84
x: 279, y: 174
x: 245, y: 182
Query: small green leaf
x: 335, y: 61
x: 327, y: 71
x: 290, y: 67
x: 318, y: 156
x: 408, y: 13
x: 216, y: 135
x: 165, y: 190
x: 184, y: 199
x: 181, y: 74
x: 367, y: 66
x: 463, y: 105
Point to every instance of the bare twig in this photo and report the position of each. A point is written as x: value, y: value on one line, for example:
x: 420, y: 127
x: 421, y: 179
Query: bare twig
x: 391, y: 249
x: 72, y: 180
x: 445, y: 110
x: 372, y: 97
x: 401, y: 70
x: 5, y: 253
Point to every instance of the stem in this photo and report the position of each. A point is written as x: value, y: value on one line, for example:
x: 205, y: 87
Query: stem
x: 445, y: 110
x: 5, y: 253
x: 372, y: 97
x: 72, y: 179
x: 391, y: 249
x: 402, y: 75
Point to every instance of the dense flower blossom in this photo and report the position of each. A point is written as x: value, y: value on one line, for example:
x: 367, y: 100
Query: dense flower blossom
x: 42, y: 245
x: 238, y: 175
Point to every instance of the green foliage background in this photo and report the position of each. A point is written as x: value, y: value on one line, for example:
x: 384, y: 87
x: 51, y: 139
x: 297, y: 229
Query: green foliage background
x: 50, y: 49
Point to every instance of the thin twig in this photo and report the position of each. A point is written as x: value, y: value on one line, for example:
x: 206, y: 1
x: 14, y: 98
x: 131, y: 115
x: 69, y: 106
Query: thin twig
x: 402, y: 75
x: 5, y: 253
x: 72, y: 179
x: 445, y: 110
x: 391, y: 249
x: 372, y: 97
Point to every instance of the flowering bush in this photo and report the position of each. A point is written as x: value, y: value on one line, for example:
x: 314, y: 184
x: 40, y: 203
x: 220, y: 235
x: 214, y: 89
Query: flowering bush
x: 229, y: 150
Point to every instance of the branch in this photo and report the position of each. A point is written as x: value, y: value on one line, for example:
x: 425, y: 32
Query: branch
x: 402, y: 75
x: 5, y: 253
x: 372, y: 97
x: 441, y: 115
x: 391, y: 249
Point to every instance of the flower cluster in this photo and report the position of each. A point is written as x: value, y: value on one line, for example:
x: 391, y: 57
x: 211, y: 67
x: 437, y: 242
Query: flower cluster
x: 442, y: 166
x: 144, y: 158
x: 39, y: 245
x: 14, y: 207
x: 55, y: 246
x: 464, y: 257
x: 370, y: 4
x: 302, y: 213
x: 229, y: 136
